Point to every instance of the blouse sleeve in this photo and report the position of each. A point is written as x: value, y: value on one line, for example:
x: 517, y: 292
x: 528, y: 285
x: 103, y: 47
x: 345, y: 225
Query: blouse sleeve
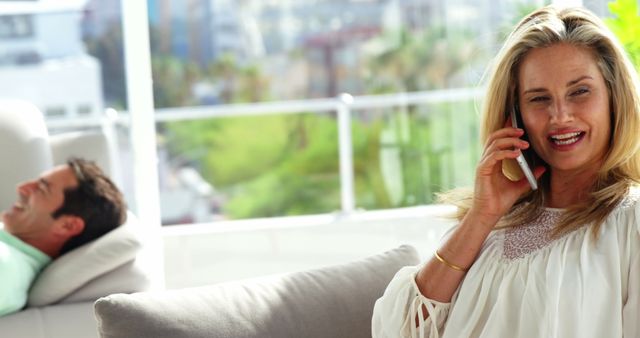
x: 631, y: 307
x: 395, y: 313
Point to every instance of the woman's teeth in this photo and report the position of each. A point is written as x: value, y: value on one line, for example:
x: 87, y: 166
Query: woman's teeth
x: 568, y: 138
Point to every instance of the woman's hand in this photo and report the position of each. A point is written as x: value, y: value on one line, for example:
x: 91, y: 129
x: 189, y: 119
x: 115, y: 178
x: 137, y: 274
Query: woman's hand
x: 494, y: 193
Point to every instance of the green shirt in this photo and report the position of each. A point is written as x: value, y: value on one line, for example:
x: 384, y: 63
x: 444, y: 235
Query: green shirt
x: 20, y: 263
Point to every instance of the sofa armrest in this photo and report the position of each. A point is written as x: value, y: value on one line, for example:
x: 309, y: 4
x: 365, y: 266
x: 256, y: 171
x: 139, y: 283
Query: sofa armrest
x: 335, y: 301
x: 57, y: 321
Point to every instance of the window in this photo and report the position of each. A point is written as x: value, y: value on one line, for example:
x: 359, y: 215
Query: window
x: 84, y: 110
x: 285, y: 158
x: 16, y: 26
x: 247, y: 96
x: 55, y: 111
x: 249, y: 114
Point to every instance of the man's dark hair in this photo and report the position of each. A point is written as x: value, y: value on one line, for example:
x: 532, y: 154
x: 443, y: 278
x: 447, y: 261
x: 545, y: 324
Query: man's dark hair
x: 96, y: 200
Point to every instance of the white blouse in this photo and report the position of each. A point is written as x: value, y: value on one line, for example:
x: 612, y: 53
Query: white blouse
x: 525, y: 284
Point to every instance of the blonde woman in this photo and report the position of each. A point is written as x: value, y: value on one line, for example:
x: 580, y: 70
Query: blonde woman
x: 562, y: 260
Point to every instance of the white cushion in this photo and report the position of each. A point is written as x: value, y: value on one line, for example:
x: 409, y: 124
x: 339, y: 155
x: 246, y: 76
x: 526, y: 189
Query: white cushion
x: 76, y: 268
x: 127, y: 278
x: 90, y: 145
x: 24, y: 147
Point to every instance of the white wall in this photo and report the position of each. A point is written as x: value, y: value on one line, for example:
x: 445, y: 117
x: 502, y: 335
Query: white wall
x: 68, y: 83
x: 59, y: 33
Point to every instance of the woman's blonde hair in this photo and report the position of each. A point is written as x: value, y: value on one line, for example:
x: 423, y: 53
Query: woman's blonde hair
x: 621, y: 168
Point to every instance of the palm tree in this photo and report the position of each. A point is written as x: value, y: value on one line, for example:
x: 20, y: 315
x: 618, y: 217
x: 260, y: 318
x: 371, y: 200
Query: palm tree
x: 416, y: 61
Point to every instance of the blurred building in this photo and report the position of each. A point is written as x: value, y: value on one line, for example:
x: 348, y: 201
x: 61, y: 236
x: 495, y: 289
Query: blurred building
x: 43, y: 60
x: 202, y: 30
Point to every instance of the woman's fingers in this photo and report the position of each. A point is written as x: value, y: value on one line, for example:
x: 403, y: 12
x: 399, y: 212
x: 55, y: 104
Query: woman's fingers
x: 504, y: 133
x: 488, y: 163
x: 494, y: 192
x: 506, y: 143
x: 507, y: 122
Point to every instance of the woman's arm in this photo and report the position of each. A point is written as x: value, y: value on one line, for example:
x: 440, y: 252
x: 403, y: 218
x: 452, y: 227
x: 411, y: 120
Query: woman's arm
x: 428, y: 291
x: 437, y: 280
x: 494, y: 195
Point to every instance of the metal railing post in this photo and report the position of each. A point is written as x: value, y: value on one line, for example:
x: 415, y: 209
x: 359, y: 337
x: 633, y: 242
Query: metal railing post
x: 345, y: 148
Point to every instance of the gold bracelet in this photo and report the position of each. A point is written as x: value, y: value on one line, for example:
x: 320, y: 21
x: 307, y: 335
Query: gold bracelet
x: 444, y: 261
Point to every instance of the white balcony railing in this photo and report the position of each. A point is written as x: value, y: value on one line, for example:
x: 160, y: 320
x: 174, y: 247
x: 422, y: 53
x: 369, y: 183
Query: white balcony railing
x: 343, y: 106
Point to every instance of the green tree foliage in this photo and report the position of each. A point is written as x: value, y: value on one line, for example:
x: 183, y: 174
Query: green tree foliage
x: 266, y: 165
x: 626, y: 26
x: 289, y: 164
x: 419, y: 60
x: 235, y: 149
x: 236, y: 82
x: 278, y: 165
x: 415, y: 61
x: 302, y: 179
x: 172, y: 81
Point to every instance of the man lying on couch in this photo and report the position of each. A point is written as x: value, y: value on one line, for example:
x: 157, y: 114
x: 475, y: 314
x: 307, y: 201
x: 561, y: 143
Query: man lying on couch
x: 64, y: 208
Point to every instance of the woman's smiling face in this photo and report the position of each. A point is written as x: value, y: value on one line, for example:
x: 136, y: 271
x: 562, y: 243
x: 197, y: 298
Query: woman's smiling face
x: 564, y: 104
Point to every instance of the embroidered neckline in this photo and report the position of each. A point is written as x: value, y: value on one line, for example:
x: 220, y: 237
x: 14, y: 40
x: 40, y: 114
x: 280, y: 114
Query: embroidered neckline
x: 520, y: 241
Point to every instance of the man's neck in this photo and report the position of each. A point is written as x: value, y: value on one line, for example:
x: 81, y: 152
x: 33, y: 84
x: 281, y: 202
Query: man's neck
x: 47, y: 247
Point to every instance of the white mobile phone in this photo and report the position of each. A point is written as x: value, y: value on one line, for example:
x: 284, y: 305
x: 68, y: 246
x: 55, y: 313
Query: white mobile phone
x: 522, y: 162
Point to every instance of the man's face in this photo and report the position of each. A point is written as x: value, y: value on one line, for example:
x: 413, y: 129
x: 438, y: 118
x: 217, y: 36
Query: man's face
x: 31, y: 216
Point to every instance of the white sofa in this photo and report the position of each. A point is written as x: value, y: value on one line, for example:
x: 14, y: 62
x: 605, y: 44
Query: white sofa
x: 61, y: 300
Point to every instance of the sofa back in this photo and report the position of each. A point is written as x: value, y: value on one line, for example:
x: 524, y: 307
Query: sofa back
x: 90, y: 145
x: 334, y: 302
x: 27, y: 149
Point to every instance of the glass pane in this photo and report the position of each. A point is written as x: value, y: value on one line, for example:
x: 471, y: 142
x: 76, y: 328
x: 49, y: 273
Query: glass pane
x: 621, y: 20
x: 405, y: 155
x: 227, y: 52
x: 69, y: 63
x: 43, y: 61
x: 248, y: 167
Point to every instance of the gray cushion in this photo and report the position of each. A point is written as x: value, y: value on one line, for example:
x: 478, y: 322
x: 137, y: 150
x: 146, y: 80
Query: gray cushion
x: 332, y: 302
